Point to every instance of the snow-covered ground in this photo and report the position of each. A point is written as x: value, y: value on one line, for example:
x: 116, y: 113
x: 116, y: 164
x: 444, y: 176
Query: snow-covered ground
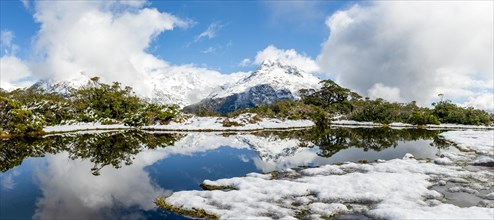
x: 216, y: 124
x: 83, y: 127
x: 351, y: 123
x: 394, y: 189
x: 244, y: 122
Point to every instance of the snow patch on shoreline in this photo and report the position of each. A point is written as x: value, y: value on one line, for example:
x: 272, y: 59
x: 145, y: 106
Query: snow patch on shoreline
x: 194, y: 124
x: 481, y: 142
x: 83, y: 127
x: 351, y: 123
x: 394, y: 189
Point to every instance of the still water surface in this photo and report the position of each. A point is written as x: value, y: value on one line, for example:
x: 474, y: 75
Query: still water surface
x: 117, y: 175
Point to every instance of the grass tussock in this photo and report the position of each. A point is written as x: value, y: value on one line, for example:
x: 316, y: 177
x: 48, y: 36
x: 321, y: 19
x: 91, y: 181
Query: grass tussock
x: 196, y: 213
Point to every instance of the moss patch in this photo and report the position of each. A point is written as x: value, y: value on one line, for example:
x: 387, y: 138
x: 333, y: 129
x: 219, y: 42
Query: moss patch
x: 196, y: 213
x: 213, y: 187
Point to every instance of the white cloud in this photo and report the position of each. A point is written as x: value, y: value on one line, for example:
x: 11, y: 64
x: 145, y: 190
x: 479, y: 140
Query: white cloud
x: 419, y: 48
x: 210, y: 32
x: 69, y: 185
x: 379, y: 90
x: 6, y: 43
x: 209, y: 50
x: 104, y: 38
x: 26, y: 4
x: 482, y: 101
x: 245, y: 62
x: 6, y: 38
x: 14, y: 73
x: 289, y: 56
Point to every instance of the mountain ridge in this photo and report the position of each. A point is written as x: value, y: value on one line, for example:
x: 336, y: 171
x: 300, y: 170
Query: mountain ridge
x: 273, y: 80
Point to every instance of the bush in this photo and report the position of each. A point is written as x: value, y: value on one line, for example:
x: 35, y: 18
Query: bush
x: 448, y: 112
x: 422, y: 118
x: 105, y: 101
x: 15, y: 120
x: 152, y: 114
x: 376, y: 110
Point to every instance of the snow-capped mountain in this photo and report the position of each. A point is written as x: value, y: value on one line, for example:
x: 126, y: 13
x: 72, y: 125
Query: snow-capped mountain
x: 63, y: 86
x: 272, y: 81
x: 186, y: 88
x: 275, y: 73
x: 175, y: 87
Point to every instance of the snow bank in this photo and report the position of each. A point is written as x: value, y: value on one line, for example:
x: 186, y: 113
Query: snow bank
x: 243, y: 123
x: 351, y: 123
x: 395, y: 189
x: 82, y: 127
x: 481, y: 142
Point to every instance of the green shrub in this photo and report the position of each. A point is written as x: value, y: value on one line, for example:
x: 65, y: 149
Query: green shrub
x: 448, y: 112
x: 422, y: 118
x: 152, y: 114
x: 16, y: 120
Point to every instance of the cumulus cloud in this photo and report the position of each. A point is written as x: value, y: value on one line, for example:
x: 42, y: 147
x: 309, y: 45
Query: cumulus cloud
x: 379, y: 90
x: 14, y: 72
x: 289, y: 56
x: 69, y: 185
x: 211, y: 31
x: 418, y: 49
x: 104, y: 38
x: 482, y: 101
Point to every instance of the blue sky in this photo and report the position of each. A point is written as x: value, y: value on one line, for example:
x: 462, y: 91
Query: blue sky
x: 242, y: 29
x: 396, y: 50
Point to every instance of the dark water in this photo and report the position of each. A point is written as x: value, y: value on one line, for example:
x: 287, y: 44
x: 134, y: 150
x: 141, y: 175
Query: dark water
x: 117, y: 175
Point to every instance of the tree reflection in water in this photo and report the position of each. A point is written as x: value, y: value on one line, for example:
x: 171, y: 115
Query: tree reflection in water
x: 119, y: 148
x: 102, y: 149
x: 331, y: 141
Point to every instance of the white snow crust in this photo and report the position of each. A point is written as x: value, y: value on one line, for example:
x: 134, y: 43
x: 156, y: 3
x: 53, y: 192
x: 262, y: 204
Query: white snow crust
x: 195, y: 123
x: 394, y: 189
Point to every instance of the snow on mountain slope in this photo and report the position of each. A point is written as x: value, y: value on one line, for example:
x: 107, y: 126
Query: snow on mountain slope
x: 184, y: 87
x: 187, y: 85
x: 271, y: 82
x: 277, y: 74
x: 63, y: 86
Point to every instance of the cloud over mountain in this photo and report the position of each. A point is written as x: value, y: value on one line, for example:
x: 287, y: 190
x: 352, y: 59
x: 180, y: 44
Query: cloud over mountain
x: 290, y: 56
x: 104, y: 38
x: 416, y: 49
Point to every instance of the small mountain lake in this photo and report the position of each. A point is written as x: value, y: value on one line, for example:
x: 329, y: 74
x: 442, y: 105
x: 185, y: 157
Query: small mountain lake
x: 118, y: 174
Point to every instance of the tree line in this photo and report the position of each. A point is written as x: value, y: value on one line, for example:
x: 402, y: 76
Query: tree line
x: 333, y: 100
x: 27, y: 111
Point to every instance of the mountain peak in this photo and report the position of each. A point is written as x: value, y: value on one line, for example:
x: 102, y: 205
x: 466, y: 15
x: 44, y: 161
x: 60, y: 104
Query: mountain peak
x: 269, y: 66
x: 275, y: 73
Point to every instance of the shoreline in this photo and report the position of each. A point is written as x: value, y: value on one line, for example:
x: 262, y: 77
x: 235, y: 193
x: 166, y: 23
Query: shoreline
x: 213, y: 124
